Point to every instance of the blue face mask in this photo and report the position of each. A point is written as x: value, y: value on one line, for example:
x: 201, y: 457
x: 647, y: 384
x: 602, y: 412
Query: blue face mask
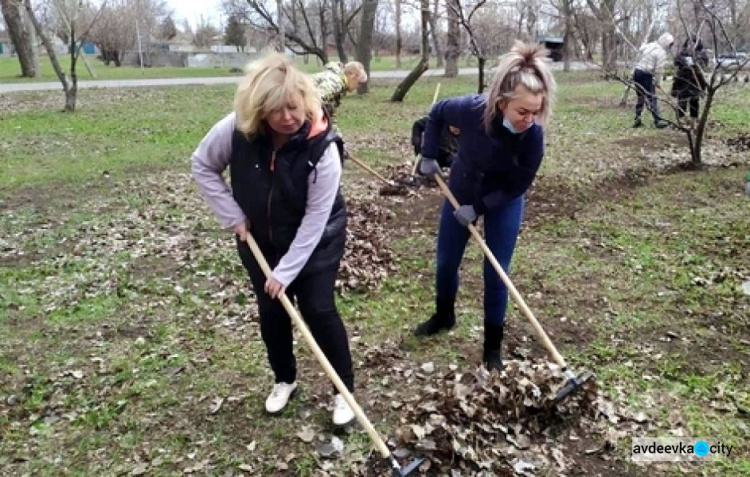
x: 509, y: 126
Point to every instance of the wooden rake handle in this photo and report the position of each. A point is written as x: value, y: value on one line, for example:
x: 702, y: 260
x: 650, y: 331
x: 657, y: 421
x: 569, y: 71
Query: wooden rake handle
x: 517, y: 298
x: 419, y: 157
x: 302, y: 327
x: 370, y: 170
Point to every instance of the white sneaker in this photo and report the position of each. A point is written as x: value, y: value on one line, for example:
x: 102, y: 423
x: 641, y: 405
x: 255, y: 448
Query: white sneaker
x: 342, y: 413
x: 279, y: 397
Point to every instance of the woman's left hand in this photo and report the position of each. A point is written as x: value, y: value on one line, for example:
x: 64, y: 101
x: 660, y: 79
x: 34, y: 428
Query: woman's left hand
x: 465, y: 215
x: 274, y: 288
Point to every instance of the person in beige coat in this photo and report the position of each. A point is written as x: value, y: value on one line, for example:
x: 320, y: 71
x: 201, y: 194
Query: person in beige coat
x: 652, y: 58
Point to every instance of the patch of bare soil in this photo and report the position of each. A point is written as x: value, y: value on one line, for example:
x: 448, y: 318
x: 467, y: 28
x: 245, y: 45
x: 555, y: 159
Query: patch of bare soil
x: 417, y: 205
x: 666, y: 140
x: 42, y: 198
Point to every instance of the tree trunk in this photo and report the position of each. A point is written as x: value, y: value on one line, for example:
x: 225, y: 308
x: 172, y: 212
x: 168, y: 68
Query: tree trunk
x: 339, y: 34
x: 19, y: 36
x: 70, y: 91
x: 364, y: 44
x: 399, y: 40
x: 34, y: 44
x: 696, y: 151
x: 480, y: 81
x: 453, y: 40
x: 533, y: 13
x: 424, y: 62
x: 568, y: 34
x: 609, y: 36
x: 403, y: 88
x: 280, y: 22
x: 435, y: 40
x: 608, y: 48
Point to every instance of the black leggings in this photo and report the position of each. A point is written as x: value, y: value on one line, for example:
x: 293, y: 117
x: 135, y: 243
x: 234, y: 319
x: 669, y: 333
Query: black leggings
x: 314, y: 293
x: 693, y: 102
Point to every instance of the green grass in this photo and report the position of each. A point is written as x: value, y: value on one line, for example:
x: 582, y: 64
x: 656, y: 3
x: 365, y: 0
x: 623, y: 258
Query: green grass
x: 10, y: 70
x: 127, y: 316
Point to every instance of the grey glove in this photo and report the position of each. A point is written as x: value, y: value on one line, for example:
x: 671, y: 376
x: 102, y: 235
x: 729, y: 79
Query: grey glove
x: 429, y: 167
x: 465, y: 215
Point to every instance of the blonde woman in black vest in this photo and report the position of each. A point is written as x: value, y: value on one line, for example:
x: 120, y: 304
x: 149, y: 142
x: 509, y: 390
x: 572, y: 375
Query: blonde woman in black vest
x: 285, y: 168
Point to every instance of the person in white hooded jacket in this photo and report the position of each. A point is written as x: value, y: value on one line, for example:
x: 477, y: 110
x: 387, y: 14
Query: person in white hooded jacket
x: 652, y: 57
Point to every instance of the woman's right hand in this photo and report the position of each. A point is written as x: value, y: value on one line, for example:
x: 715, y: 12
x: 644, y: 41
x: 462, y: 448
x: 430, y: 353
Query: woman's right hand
x: 241, y: 230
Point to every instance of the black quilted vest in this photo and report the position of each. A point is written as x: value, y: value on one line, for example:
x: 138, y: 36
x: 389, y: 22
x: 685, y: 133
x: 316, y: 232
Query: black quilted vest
x: 271, y: 188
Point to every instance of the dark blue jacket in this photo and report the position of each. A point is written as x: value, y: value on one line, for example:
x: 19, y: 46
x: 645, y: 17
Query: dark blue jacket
x: 490, y: 169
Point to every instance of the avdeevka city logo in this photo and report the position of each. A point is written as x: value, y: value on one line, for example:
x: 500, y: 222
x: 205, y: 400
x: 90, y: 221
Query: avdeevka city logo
x: 701, y: 448
x: 675, y: 449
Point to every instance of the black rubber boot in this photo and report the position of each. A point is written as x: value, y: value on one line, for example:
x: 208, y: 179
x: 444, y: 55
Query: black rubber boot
x: 493, y: 340
x: 660, y: 124
x: 637, y: 122
x: 443, y: 319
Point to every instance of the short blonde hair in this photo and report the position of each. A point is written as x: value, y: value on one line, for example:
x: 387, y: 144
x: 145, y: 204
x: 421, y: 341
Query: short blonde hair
x: 357, y: 70
x: 527, y: 66
x: 266, y: 87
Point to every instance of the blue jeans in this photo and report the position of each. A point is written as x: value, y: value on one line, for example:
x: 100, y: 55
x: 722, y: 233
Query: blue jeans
x: 501, y: 229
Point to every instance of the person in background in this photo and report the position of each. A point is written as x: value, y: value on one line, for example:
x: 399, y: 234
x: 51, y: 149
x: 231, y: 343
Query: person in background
x: 500, y: 149
x: 285, y: 168
x: 336, y: 80
x: 689, y: 81
x: 649, y: 66
x: 448, y: 144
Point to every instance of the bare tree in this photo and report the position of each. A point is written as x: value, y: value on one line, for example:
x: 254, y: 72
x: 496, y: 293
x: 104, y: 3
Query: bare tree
x: 567, y: 11
x: 424, y: 63
x: 204, y: 34
x: 306, y: 25
x: 339, y: 36
x: 588, y: 30
x: 716, y: 74
x: 489, y: 33
x: 435, y: 34
x: 115, y: 33
x: 719, y: 74
x: 604, y: 11
x: 398, y: 5
x: 453, y: 39
x: 20, y: 35
x: 185, y: 27
x: 465, y: 20
x: 78, y: 19
x: 364, y: 42
x: 281, y: 28
x: 297, y: 22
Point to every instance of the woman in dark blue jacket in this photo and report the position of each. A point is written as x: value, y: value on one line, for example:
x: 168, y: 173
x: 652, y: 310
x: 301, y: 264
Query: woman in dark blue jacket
x: 500, y: 149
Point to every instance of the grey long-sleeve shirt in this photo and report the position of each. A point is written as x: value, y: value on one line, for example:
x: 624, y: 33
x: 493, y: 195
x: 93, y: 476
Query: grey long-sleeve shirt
x: 211, y: 159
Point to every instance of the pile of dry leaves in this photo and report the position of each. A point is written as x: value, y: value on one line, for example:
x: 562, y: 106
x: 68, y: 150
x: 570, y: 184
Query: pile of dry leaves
x: 477, y: 423
x: 739, y: 143
x: 404, y: 182
x: 367, y: 259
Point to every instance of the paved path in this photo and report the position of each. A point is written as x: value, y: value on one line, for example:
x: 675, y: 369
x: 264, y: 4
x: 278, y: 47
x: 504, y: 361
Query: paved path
x: 210, y: 80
